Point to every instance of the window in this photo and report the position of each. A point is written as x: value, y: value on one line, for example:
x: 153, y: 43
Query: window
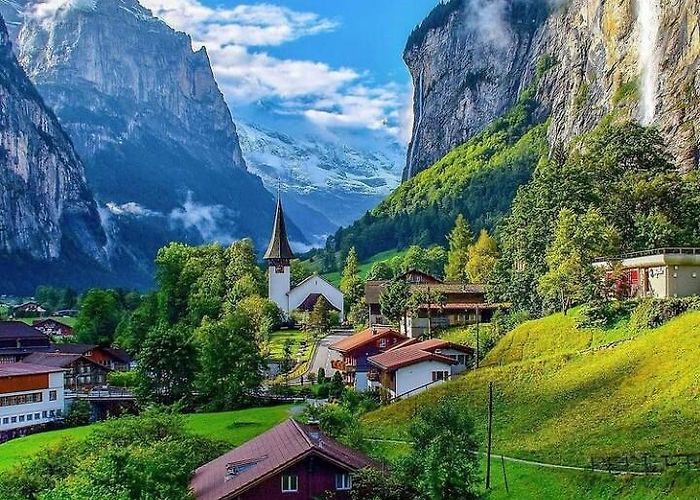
x: 21, y: 399
x: 290, y: 484
x: 5, y: 420
x: 44, y: 414
x: 53, y: 396
x: 30, y: 417
x: 37, y: 416
x: 343, y: 482
x: 21, y: 418
x: 13, y: 420
x: 382, y: 342
x: 440, y: 375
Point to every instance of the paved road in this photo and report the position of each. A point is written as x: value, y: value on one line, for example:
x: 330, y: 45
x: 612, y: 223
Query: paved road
x: 323, y: 355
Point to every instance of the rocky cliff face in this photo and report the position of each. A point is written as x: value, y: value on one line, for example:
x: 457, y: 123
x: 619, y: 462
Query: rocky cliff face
x: 149, y: 120
x: 472, y: 58
x: 46, y: 208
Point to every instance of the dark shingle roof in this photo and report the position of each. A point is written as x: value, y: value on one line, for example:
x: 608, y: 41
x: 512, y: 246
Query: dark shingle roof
x: 18, y: 329
x: 267, y: 454
x: 55, y: 359
x: 17, y: 369
x: 73, y: 348
x: 279, y: 244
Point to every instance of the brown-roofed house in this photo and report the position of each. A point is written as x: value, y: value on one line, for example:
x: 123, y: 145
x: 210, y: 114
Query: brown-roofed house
x: 358, y: 348
x: 464, y: 304
x: 80, y: 372
x: 414, y: 366
x: 290, y: 461
x: 53, y: 328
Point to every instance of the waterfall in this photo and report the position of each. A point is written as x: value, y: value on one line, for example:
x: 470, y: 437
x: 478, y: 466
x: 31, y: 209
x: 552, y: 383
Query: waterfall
x: 648, y: 18
x: 416, y: 126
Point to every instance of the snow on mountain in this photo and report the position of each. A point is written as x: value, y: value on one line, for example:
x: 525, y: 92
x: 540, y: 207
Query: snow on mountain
x: 337, y: 175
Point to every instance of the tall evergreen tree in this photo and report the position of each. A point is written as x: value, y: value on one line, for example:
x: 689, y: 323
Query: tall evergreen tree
x: 458, y: 255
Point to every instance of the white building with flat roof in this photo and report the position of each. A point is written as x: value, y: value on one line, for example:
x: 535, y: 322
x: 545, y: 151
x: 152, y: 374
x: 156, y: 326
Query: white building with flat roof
x: 30, y: 395
x: 660, y: 273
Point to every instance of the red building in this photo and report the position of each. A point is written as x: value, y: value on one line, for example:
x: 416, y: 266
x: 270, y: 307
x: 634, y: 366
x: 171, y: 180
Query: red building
x: 358, y: 348
x: 291, y: 461
x: 53, y: 328
x: 110, y: 357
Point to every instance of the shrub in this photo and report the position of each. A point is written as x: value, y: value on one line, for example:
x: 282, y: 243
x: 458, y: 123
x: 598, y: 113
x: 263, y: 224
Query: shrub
x: 604, y: 314
x: 652, y: 313
x: 79, y: 413
x: 122, y: 379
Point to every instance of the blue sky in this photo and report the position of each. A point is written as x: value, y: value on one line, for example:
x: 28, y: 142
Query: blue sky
x: 335, y: 63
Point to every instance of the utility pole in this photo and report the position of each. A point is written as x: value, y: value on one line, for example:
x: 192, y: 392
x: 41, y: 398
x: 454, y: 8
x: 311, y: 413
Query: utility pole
x: 478, y: 340
x: 490, y: 436
x: 430, y: 328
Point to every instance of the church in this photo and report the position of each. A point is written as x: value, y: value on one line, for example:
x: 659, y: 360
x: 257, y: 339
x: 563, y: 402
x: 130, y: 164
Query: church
x: 304, y: 296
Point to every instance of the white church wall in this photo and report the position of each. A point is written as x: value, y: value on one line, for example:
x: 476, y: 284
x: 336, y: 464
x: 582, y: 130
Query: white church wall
x: 316, y: 284
x: 279, y: 282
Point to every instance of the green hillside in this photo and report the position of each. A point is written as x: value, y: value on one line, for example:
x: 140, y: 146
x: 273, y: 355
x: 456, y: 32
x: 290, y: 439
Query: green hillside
x: 559, y: 399
x: 478, y: 179
x: 366, y: 265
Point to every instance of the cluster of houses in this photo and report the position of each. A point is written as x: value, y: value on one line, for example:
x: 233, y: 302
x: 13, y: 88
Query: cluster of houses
x: 39, y: 379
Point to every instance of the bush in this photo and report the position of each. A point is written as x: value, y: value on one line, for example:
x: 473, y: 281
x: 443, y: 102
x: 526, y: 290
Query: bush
x: 78, y: 413
x: 122, y: 379
x: 652, y: 313
x: 604, y: 314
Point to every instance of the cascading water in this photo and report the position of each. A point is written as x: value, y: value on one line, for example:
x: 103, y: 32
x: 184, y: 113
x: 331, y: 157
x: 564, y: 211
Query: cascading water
x: 648, y: 19
x: 416, y: 127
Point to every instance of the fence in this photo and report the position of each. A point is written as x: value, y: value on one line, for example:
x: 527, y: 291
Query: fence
x: 646, y: 463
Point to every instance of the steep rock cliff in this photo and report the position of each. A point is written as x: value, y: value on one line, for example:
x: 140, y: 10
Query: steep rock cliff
x: 149, y: 120
x: 47, y: 213
x: 471, y: 59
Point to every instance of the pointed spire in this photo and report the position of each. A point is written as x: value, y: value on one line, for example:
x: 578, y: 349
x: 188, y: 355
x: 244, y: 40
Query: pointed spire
x: 279, y: 248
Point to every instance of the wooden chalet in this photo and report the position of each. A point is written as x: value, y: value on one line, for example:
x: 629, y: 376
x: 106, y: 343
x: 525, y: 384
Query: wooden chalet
x: 53, y: 328
x: 412, y: 366
x: 81, y: 373
x: 356, y: 350
x: 464, y: 304
x: 290, y: 461
x: 28, y: 310
x: 109, y: 357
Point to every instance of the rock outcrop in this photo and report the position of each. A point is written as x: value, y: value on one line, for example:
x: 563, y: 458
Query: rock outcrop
x: 146, y: 115
x: 47, y: 212
x: 472, y: 58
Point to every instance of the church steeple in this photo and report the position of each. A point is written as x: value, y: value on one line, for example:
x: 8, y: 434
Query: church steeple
x: 279, y: 249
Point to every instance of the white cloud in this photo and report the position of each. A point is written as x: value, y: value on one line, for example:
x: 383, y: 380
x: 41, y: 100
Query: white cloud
x: 46, y: 9
x: 235, y: 38
x: 208, y: 220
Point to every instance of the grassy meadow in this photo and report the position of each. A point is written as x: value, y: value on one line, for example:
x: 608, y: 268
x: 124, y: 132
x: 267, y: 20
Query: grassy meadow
x: 559, y: 401
x: 234, y: 427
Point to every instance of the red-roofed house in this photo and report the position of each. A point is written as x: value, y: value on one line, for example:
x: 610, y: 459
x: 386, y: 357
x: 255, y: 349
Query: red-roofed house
x: 358, y: 348
x: 290, y: 461
x: 413, y: 366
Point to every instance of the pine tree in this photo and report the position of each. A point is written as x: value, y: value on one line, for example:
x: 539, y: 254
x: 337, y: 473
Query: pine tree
x: 483, y: 256
x: 458, y: 255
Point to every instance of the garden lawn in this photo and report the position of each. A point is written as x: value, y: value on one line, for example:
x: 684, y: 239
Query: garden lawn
x: 234, y: 427
x: 559, y: 402
x: 275, y: 347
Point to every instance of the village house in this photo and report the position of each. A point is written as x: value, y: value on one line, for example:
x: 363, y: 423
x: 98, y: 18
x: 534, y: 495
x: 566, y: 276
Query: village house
x: 279, y: 256
x: 464, y: 304
x: 18, y: 340
x: 81, y: 374
x: 31, y: 396
x: 29, y: 310
x: 110, y: 357
x: 660, y: 273
x: 356, y: 350
x: 290, y: 461
x: 413, y: 366
x: 53, y: 328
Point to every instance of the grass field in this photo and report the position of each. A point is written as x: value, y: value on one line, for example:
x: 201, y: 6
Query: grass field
x: 235, y: 427
x: 556, y: 404
x: 334, y: 278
